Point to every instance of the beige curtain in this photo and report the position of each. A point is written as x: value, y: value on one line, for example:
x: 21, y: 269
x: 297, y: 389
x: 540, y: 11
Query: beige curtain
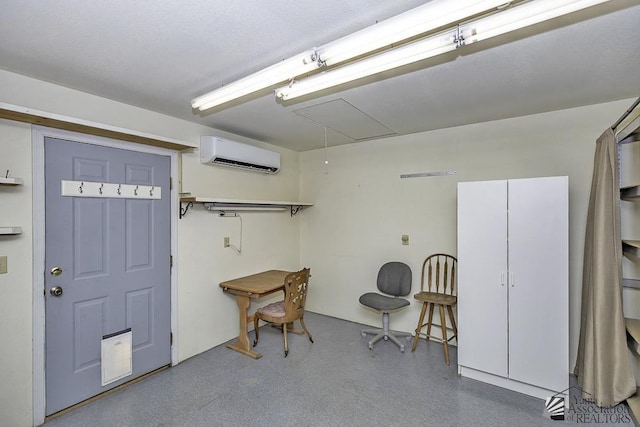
x: 603, y: 366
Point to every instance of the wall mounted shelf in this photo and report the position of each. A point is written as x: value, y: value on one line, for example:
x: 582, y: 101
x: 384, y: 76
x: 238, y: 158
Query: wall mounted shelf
x: 10, y: 181
x: 633, y: 329
x: 5, y: 231
x: 235, y: 205
x: 630, y: 193
x: 631, y: 247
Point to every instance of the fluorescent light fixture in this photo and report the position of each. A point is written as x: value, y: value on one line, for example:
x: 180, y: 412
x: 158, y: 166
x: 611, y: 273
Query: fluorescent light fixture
x: 435, y: 14
x: 388, y: 60
x: 432, y: 16
x: 522, y: 16
x: 420, y: 20
x: 278, y: 73
x: 235, y: 207
x: 507, y: 20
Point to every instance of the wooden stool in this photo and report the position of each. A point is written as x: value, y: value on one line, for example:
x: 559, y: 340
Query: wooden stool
x: 438, y: 290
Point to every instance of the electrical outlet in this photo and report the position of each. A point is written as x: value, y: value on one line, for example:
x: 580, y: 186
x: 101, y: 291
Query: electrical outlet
x: 405, y: 240
x: 226, y: 242
x: 3, y: 264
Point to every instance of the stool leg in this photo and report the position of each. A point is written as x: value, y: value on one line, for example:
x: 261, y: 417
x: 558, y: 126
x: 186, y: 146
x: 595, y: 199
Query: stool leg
x: 445, y: 342
x: 415, y: 338
x: 431, y: 307
x: 453, y: 321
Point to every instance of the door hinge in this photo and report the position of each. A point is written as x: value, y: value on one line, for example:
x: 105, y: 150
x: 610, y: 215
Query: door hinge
x: 170, y: 261
x: 170, y: 338
x: 170, y: 183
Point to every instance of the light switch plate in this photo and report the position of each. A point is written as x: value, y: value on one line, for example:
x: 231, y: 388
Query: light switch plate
x: 3, y: 264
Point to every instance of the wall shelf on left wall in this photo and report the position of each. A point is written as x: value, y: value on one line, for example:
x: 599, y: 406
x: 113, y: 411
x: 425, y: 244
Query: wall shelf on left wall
x: 6, y: 231
x: 6, y: 180
x: 10, y: 181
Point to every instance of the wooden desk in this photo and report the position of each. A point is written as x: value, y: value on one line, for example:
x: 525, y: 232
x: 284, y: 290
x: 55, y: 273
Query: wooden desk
x: 245, y: 288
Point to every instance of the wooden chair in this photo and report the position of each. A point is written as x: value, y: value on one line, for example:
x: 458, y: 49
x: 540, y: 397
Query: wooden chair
x: 287, y: 311
x: 439, y: 289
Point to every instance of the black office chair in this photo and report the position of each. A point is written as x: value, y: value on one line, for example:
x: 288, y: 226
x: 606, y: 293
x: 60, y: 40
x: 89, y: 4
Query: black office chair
x: 394, y: 279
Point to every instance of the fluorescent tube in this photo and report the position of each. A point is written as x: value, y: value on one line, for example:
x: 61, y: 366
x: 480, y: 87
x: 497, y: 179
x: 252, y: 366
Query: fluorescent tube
x: 262, y: 79
x: 236, y: 207
x: 522, y: 16
x: 428, y: 17
x: 388, y: 60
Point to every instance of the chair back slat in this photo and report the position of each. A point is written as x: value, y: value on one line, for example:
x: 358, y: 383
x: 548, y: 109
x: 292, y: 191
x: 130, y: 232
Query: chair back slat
x: 441, y: 277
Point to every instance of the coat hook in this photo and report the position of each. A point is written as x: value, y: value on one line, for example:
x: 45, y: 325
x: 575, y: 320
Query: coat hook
x: 135, y: 191
x: 151, y: 191
x: 100, y: 189
x: 119, y: 187
x: 80, y: 188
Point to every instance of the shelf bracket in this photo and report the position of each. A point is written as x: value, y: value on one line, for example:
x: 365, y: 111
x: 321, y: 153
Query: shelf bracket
x: 295, y: 209
x: 184, y: 208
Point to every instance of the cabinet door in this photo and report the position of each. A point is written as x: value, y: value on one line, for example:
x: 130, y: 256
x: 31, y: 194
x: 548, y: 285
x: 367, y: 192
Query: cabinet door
x: 482, y: 268
x: 538, y: 291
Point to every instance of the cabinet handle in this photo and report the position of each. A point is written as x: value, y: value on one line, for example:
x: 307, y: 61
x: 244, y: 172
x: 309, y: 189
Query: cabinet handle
x: 502, y: 278
x: 511, y: 280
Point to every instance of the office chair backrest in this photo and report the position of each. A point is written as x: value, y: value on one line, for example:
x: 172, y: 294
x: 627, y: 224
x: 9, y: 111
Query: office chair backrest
x: 394, y: 278
x: 295, y: 289
x: 440, y: 276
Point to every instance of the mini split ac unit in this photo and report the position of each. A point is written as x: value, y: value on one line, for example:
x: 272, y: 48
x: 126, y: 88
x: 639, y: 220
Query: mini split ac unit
x: 224, y: 152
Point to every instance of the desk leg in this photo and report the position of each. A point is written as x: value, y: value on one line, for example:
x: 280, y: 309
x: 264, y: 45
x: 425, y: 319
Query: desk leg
x: 243, y: 345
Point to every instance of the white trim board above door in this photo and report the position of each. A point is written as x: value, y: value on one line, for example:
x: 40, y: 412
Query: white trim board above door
x: 38, y: 135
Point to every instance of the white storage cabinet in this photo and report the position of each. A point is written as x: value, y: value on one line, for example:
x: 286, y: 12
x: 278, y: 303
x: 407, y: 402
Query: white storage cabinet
x: 513, y: 288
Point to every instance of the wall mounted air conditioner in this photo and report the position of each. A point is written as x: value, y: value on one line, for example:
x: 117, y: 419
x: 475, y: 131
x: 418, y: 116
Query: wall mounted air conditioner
x: 224, y: 152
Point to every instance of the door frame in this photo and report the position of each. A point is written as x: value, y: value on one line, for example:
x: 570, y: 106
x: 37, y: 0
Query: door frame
x: 38, y: 135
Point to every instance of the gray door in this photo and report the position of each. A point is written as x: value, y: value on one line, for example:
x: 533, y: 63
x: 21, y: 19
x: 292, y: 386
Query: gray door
x: 114, y: 257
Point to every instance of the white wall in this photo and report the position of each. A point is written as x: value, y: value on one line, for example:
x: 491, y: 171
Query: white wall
x: 363, y: 207
x: 16, y: 285
x: 206, y: 316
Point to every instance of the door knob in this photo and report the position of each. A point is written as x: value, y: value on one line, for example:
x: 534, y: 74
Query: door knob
x: 56, y: 271
x: 56, y: 291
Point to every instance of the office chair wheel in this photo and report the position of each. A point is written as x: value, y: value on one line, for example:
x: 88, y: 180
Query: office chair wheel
x: 370, y: 346
x: 401, y: 349
x: 364, y: 334
x: 386, y: 338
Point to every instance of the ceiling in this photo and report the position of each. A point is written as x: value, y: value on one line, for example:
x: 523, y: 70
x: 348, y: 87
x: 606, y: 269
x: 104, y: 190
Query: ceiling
x: 160, y: 54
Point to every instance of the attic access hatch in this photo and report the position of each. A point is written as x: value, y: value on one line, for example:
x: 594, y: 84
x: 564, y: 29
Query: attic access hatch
x: 235, y: 205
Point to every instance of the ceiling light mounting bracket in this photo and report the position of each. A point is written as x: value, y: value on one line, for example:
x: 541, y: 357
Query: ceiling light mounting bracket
x: 458, y: 38
x: 315, y: 56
